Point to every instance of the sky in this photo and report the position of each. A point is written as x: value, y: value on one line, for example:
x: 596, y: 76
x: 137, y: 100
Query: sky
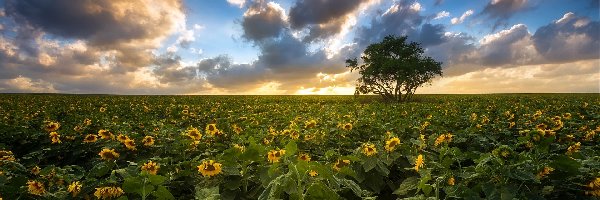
x: 292, y: 46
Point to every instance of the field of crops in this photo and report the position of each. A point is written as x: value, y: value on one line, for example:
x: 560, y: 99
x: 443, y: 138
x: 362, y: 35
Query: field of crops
x: 542, y: 146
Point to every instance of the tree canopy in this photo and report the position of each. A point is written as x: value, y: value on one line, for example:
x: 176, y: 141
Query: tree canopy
x: 394, y: 69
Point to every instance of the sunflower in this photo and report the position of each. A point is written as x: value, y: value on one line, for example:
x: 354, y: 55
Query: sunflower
x: 574, y: 148
x: 211, y: 129
x: 347, y: 127
x: 151, y: 167
x: 236, y: 129
x: 108, y: 192
x: 122, y: 138
x: 419, y: 162
x: 594, y: 187
x: 129, y: 144
x: 36, y: 188
x: 369, y: 149
x: 451, y: 180
x: 240, y: 148
x: 339, y: 164
x: 55, y: 137
x: 294, y: 135
x: 209, y: 168
x: 108, y: 154
x: 90, y: 138
x: 567, y: 115
x: 310, y: 124
x: 77, y: 128
x: 545, y: 171
x: 74, y: 188
x: 391, y: 144
x: 105, y: 134
x: 102, y: 109
x: 36, y: 170
x: 275, y: 155
x: 87, y: 121
x: 51, y: 126
x: 185, y: 112
x: 443, y: 138
x: 148, y: 141
x: 6, y: 156
x: 304, y: 156
x: 313, y: 173
x: 194, y: 133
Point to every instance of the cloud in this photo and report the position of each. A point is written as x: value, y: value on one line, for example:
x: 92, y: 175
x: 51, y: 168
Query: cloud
x: 263, y: 20
x: 570, y: 38
x: 462, y: 17
x: 442, y: 14
x: 398, y: 20
x: 502, y: 10
x: 239, y: 3
x: 306, y: 12
x: 438, y: 2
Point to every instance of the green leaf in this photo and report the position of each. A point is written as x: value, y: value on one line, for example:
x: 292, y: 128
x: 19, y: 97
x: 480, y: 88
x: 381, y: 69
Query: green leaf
x: 156, y: 179
x: 133, y: 185
x: 162, y: 193
x: 207, y: 193
x: 291, y: 148
x: 407, y: 185
x: 319, y: 191
x: 369, y: 163
x: 566, y: 165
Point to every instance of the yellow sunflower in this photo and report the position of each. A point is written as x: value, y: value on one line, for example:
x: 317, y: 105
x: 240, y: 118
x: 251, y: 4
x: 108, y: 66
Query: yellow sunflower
x: 194, y: 133
x: 419, y: 162
x: 105, y: 134
x: 108, y: 154
x: 90, y: 138
x: 108, y: 192
x: 594, y: 187
x: 74, y: 188
x: 294, y: 135
x: 129, y: 144
x: 209, y: 168
x: 451, y: 180
x: 87, y: 121
x: 369, y: 149
x: 339, y: 164
x: 51, y: 126
x: 313, y: 173
x: 310, y: 124
x: 36, y: 188
x: 151, y: 167
x: 545, y: 171
x: 236, y: 129
x: 391, y: 144
x: 304, y: 156
x: 443, y: 138
x: 211, y: 129
x: 239, y: 147
x: 122, y: 138
x: 148, y: 141
x: 6, y: 155
x: 275, y: 155
x: 574, y: 148
x: 102, y: 109
x: 347, y: 127
x: 55, y: 137
x: 36, y: 170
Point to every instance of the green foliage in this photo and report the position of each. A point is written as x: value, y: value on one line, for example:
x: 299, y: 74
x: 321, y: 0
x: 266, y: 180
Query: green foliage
x: 499, y: 149
x: 394, y: 69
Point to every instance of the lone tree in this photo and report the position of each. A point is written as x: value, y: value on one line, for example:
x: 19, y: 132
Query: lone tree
x: 394, y: 69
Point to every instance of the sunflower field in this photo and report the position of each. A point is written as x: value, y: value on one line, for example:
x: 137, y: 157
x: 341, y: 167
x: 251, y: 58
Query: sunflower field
x: 501, y: 146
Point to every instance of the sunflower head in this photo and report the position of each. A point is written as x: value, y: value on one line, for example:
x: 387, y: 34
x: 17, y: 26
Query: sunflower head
x: 451, y: 180
x: 294, y: 135
x: 236, y: 129
x: 313, y: 173
x: 108, y: 154
x: 339, y: 164
x: 108, y: 192
x: 369, y: 149
x: 148, y: 141
x: 102, y: 109
x: 74, y: 188
x: 51, y: 126
x: 392, y: 144
x: 90, y: 138
x: 129, y: 144
x: 105, y: 134
x: 209, y: 168
x: 419, y: 161
x: 122, y: 138
x: 36, y: 188
x: 6, y: 155
x: 347, y: 126
x: 310, y: 124
x: 304, y: 156
x: 211, y: 129
x: 275, y: 155
x: 150, y: 167
x: 55, y: 137
x: 194, y: 133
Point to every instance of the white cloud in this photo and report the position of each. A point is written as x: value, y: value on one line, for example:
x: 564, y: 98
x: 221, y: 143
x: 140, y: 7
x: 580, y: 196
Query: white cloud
x: 416, y: 6
x: 172, y: 49
x: 442, y: 14
x: 239, y: 3
x: 198, y: 27
x: 462, y: 17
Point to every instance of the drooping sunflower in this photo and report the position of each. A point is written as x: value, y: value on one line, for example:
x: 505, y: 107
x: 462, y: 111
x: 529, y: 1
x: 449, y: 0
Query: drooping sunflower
x: 148, y: 141
x: 594, y: 187
x: 194, y: 133
x: 108, y: 192
x: 55, y: 137
x: 90, y: 138
x: 391, y: 144
x: 108, y: 154
x: 419, y: 162
x: 51, y: 126
x: 574, y: 148
x: 74, y: 188
x: 122, y: 138
x: 443, y: 138
x: 275, y: 155
x: 339, y: 164
x: 151, y: 167
x: 294, y: 135
x: 211, y: 129
x: 545, y: 171
x: 129, y: 144
x: 209, y: 168
x: 36, y: 170
x: 6, y: 156
x: 236, y: 129
x: 105, y: 134
x: 310, y: 124
x: 369, y: 149
x: 304, y: 156
x: 36, y: 188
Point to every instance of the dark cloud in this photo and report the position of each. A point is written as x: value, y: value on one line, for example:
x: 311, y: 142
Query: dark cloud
x: 501, y: 10
x: 169, y: 69
x: 262, y: 21
x: 398, y: 20
x: 306, y: 12
x: 431, y: 34
x: 569, y: 38
x: 438, y: 2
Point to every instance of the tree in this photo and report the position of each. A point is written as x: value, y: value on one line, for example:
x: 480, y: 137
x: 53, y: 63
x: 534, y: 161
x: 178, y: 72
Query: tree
x: 394, y: 69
